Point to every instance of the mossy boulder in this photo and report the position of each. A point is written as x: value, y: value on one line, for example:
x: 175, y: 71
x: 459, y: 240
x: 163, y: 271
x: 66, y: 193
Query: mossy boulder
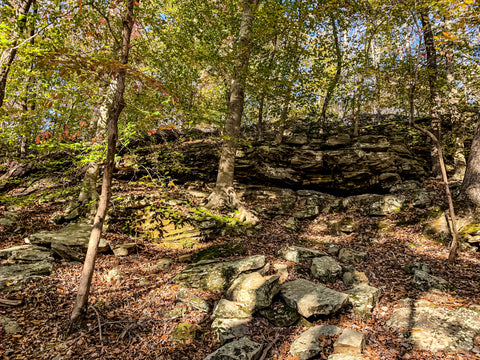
x: 220, y: 251
x: 186, y: 333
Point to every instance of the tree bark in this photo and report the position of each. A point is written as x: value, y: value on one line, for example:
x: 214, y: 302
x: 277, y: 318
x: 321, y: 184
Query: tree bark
x: 223, y: 192
x: 114, y: 112
x: 338, y: 72
x: 434, y: 99
x: 470, y: 190
x: 8, y: 55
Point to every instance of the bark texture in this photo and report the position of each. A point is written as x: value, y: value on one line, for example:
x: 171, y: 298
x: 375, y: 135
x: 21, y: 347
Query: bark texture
x: 435, y: 101
x: 333, y: 83
x: 223, y: 192
x: 114, y: 112
x: 470, y: 191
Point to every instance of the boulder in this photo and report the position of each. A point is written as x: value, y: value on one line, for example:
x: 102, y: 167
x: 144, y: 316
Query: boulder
x: 291, y: 224
x: 19, y: 272
x: 226, y: 330
x: 26, y: 253
x: 310, y: 299
x: 363, y: 297
x: 281, y: 315
x: 164, y: 264
x: 242, y: 349
x: 306, y: 345
x: 325, y: 269
x: 299, y: 254
x: 350, y: 342
x: 351, y: 256
x: 424, y: 282
x: 226, y: 309
x: 190, y: 299
x: 437, y: 327
x: 216, y: 275
x: 70, y: 241
x: 254, y: 290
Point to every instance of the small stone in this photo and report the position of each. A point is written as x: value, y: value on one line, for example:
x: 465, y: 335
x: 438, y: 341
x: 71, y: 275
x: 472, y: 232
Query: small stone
x: 334, y: 249
x: 114, y: 276
x: 351, y: 256
x: 124, y: 249
x: 411, y: 268
x: 192, y: 300
x: 186, y: 333
x: 143, y: 281
x: 354, y: 277
x: 300, y: 254
x: 306, y: 345
x: 350, y: 342
x: 164, y: 264
x: 344, y: 357
x: 243, y: 349
x: 291, y: 224
x: 228, y: 329
x: 325, y: 269
x: 281, y: 316
x: 9, y: 325
x: 282, y: 271
x: 363, y: 298
x: 227, y: 309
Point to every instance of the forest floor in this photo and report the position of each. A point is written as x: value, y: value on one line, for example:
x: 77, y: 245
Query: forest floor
x: 125, y: 321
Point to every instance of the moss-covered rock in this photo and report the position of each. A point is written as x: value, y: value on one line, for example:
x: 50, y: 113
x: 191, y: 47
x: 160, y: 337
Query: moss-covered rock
x: 220, y: 251
x: 186, y: 333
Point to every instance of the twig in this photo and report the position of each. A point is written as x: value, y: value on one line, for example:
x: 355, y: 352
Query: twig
x: 99, y: 323
x: 269, y: 346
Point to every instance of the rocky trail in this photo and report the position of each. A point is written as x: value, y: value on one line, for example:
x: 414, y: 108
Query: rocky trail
x: 336, y: 285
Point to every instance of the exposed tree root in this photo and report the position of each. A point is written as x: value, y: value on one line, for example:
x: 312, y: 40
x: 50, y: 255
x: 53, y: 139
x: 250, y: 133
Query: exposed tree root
x: 228, y: 197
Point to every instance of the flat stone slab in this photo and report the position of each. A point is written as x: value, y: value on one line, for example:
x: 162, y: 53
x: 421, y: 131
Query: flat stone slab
x: 227, y: 309
x: 15, y: 273
x: 363, y: 298
x: 350, y: 342
x: 215, y: 275
x: 435, y: 327
x: 344, y: 357
x: 190, y: 299
x: 306, y: 345
x: 243, y: 349
x: 26, y: 253
x: 300, y: 254
x: 310, y: 299
x: 254, y: 290
x: 425, y: 282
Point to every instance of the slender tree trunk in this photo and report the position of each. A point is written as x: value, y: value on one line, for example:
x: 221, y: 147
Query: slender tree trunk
x: 434, y: 90
x: 8, y: 55
x: 338, y: 72
x: 99, y: 123
x: 260, y: 125
x: 79, y: 308
x: 223, y: 192
x: 470, y: 190
x: 288, y: 93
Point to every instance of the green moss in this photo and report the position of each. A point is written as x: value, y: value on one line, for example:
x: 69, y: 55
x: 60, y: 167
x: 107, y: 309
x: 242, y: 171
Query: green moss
x: 472, y: 229
x: 220, y: 251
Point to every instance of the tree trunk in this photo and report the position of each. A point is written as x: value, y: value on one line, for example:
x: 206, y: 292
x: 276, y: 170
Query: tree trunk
x: 114, y: 112
x: 434, y: 91
x: 260, y: 118
x: 470, y: 190
x: 8, y: 55
x: 338, y: 72
x: 223, y: 192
